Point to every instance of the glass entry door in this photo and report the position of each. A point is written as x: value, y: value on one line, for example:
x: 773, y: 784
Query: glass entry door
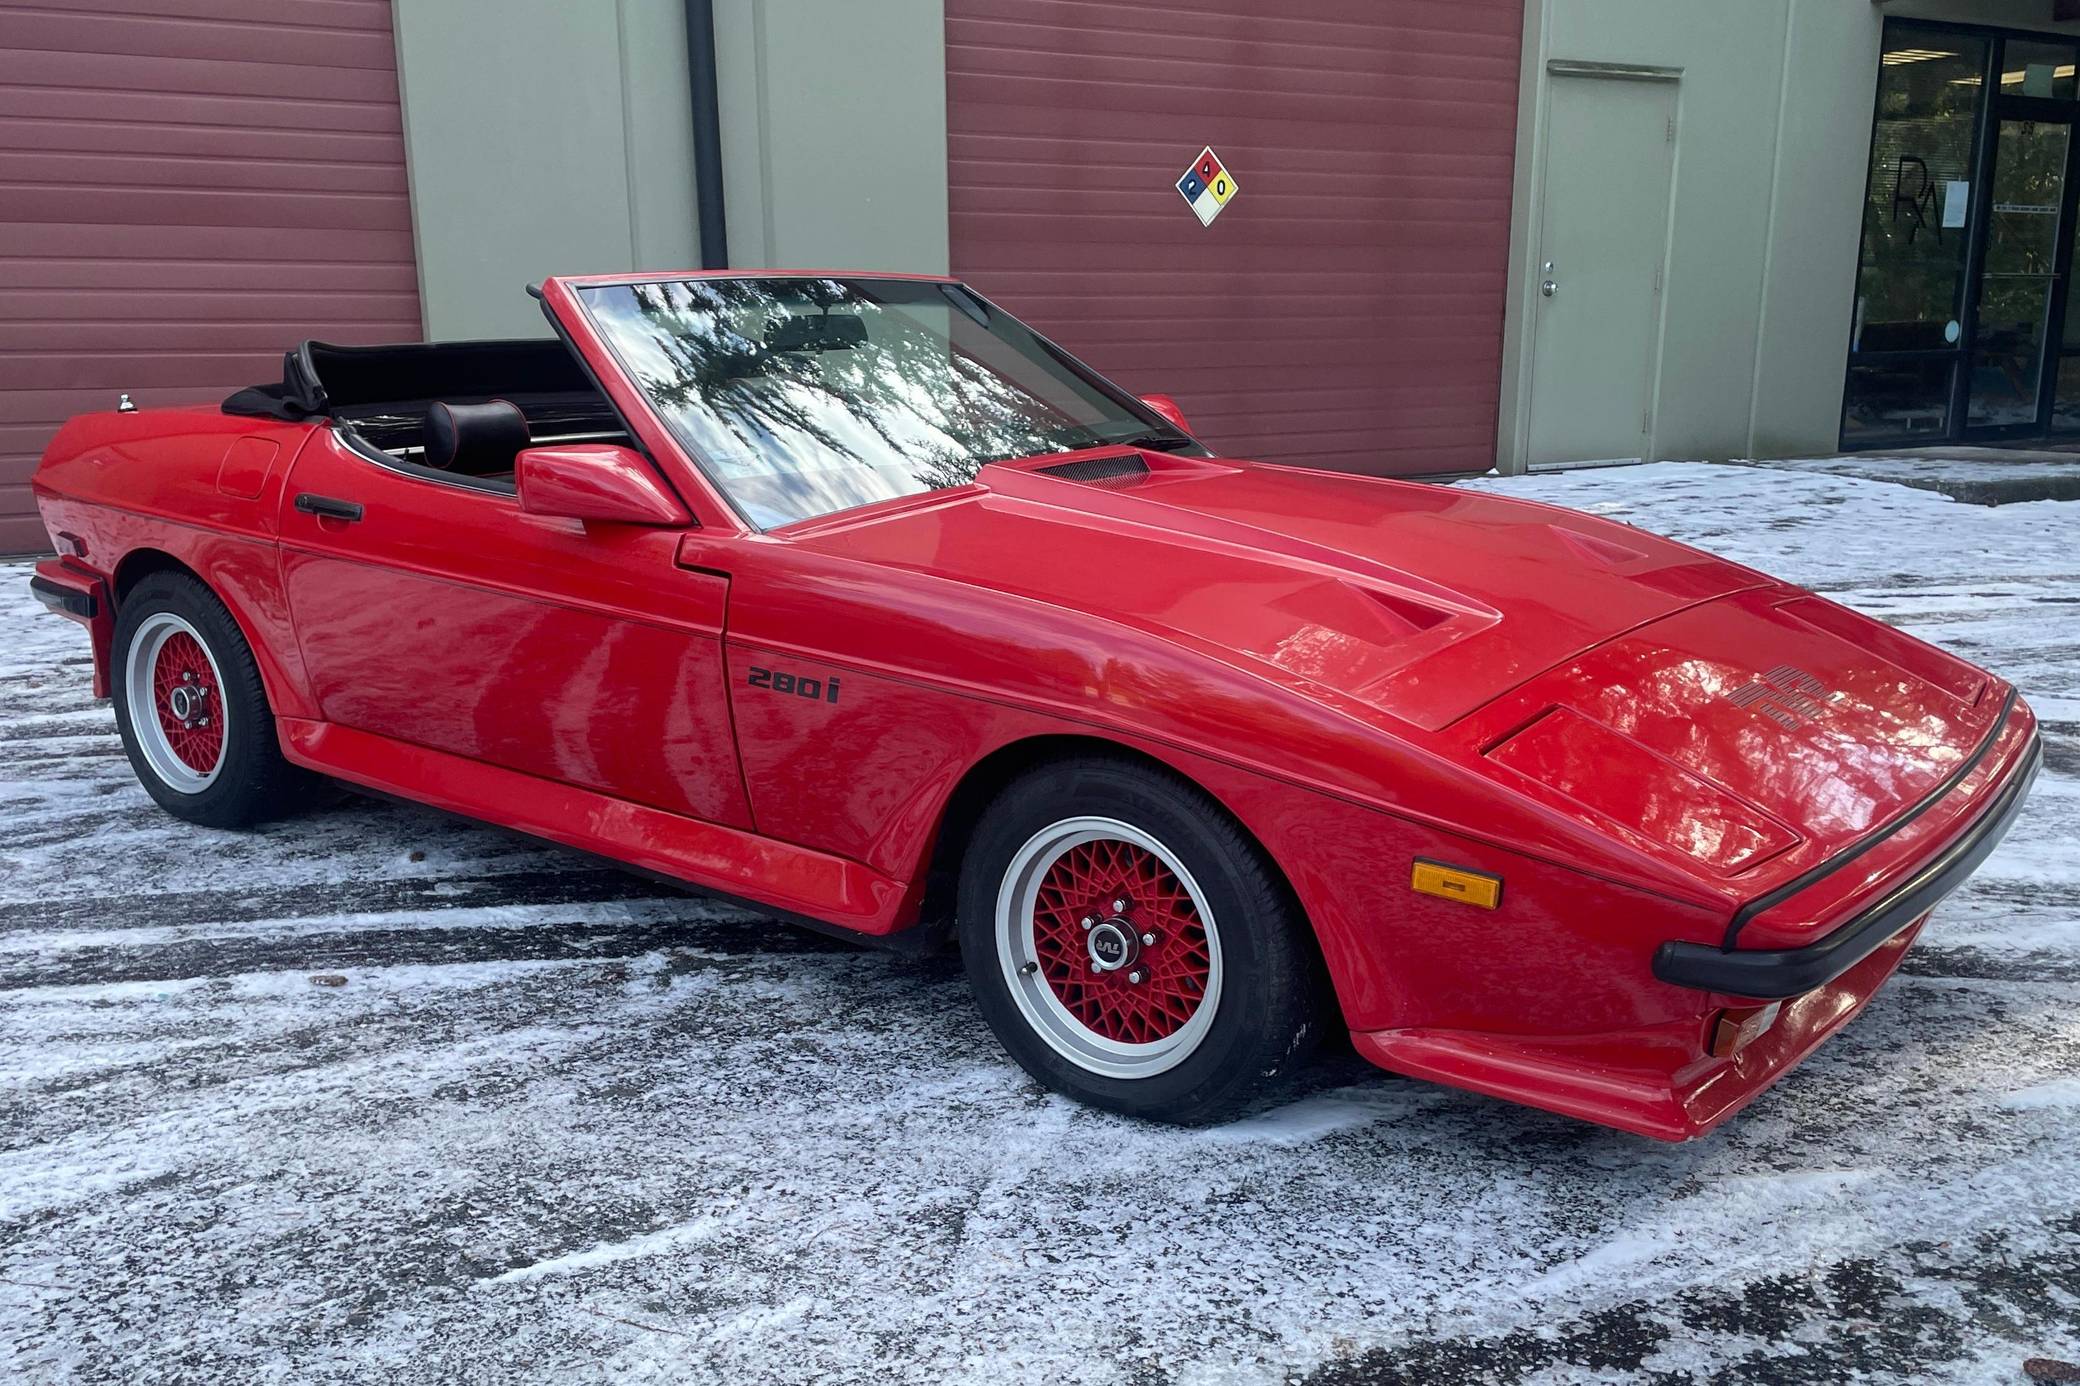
x: 1967, y: 319
x: 2020, y: 276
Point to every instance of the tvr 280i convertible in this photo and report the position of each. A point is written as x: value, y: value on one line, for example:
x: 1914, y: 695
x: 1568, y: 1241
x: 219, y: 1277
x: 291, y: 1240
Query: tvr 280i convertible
x: 853, y: 597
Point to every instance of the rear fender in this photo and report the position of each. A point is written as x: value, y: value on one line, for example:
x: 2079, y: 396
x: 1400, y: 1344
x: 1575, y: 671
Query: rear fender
x: 126, y: 493
x: 243, y: 571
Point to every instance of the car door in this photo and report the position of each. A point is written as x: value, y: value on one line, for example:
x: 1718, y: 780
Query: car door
x: 445, y: 617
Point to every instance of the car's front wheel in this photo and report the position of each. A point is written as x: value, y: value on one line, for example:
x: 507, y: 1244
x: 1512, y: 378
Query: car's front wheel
x: 192, y: 711
x: 1131, y: 947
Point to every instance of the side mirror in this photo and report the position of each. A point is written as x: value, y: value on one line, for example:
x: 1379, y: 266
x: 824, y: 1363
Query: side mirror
x: 595, y: 481
x: 1167, y: 407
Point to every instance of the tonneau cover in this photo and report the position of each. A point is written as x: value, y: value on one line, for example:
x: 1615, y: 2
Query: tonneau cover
x: 321, y: 379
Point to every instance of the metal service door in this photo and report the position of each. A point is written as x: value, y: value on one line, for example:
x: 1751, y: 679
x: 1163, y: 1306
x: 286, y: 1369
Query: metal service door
x: 1602, y: 238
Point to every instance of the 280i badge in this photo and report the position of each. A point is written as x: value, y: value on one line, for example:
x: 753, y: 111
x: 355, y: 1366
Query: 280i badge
x: 801, y: 686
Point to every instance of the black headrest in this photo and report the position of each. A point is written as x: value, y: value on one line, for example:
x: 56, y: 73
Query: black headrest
x: 474, y: 439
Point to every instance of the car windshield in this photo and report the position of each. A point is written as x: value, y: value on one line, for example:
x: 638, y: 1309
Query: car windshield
x: 805, y: 396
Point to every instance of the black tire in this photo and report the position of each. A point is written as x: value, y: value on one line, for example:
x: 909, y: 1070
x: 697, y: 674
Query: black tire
x: 250, y: 781
x: 1266, y: 1015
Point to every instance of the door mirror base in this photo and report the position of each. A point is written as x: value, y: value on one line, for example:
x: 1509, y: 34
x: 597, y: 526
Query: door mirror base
x: 1167, y: 407
x: 596, y: 481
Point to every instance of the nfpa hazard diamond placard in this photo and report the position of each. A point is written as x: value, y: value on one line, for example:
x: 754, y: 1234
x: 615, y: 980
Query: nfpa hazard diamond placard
x: 1207, y: 185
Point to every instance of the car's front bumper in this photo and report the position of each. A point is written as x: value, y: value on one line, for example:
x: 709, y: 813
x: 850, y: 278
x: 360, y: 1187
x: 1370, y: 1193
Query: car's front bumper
x: 1780, y: 973
x: 1656, y: 1081
x: 1826, y: 943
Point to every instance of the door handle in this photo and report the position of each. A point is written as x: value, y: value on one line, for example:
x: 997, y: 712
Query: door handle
x: 328, y: 508
x: 1549, y: 287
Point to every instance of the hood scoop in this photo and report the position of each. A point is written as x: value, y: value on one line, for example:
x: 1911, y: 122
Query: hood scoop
x: 1119, y: 469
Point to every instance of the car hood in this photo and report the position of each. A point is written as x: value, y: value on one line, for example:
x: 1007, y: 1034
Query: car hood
x: 1422, y: 602
x: 1772, y: 726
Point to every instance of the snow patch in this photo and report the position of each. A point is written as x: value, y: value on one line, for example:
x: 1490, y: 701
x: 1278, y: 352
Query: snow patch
x: 661, y: 1242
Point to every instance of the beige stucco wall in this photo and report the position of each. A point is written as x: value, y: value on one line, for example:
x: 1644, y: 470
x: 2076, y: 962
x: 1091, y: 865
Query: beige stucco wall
x: 546, y: 137
x: 1773, y: 139
x: 542, y: 138
x: 834, y: 133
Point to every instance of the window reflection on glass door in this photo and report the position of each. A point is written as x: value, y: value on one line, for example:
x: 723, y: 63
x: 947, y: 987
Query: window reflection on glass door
x: 1910, y: 282
x: 2020, y: 276
x: 2065, y: 385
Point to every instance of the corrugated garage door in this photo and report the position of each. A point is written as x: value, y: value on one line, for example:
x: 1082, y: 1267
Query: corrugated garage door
x: 1345, y: 309
x: 187, y: 187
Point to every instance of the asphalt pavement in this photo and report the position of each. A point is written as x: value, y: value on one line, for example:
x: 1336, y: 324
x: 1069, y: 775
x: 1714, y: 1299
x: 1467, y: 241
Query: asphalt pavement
x: 374, y: 1095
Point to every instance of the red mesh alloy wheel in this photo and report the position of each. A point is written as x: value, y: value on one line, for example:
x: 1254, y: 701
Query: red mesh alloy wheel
x: 188, y: 702
x: 1109, y: 947
x: 1167, y: 948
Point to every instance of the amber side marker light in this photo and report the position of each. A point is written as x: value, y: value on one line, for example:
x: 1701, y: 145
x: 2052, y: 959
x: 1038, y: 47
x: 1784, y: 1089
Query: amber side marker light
x: 1457, y: 883
x: 1735, y: 1030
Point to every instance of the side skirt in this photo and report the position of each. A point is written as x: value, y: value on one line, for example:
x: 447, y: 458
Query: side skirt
x: 806, y: 886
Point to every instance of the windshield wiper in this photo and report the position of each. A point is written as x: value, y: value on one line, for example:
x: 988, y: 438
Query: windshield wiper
x: 1158, y: 439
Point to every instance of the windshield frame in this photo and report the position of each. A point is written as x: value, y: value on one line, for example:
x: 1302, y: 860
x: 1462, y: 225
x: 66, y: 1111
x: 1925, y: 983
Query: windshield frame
x: 580, y: 289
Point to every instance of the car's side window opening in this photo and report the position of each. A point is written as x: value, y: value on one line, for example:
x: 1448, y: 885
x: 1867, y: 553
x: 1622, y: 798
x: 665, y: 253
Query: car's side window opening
x: 452, y: 412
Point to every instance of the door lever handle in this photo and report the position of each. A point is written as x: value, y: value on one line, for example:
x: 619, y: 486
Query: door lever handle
x: 327, y: 507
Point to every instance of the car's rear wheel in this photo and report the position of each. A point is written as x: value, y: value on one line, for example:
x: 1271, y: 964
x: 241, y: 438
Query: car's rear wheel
x: 1131, y: 946
x: 191, y: 709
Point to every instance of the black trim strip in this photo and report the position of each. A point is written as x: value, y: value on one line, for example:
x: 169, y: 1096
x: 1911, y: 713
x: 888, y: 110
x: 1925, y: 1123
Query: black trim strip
x: 1835, y: 863
x: 1777, y: 974
x: 64, y: 600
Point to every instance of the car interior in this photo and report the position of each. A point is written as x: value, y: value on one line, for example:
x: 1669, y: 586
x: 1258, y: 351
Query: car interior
x: 458, y: 412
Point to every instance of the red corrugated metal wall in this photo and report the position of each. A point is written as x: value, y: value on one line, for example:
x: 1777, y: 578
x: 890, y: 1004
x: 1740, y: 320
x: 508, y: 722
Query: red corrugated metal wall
x: 187, y: 188
x: 1345, y: 309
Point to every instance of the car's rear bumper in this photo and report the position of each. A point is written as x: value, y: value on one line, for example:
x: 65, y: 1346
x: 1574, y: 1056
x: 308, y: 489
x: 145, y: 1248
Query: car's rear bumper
x: 80, y: 595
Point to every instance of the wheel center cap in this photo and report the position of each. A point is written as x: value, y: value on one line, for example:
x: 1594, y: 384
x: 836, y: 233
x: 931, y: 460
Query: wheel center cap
x: 183, y: 702
x: 1113, y: 945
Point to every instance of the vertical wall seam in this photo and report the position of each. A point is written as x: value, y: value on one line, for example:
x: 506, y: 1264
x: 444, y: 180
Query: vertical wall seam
x: 1657, y: 357
x: 1769, y: 226
x: 769, y: 242
x: 411, y: 177
x: 1531, y: 128
x: 628, y: 135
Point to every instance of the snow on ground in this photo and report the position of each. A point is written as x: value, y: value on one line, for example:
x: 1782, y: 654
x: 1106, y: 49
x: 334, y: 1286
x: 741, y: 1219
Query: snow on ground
x: 561, y: 1126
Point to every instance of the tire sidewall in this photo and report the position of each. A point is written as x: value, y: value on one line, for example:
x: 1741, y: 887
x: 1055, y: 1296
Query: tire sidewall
x: 1250, y: 919
x: 227, y: 800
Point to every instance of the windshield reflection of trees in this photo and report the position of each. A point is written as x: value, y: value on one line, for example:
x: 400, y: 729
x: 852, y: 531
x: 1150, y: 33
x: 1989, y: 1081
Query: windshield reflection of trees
x: 806, y: 422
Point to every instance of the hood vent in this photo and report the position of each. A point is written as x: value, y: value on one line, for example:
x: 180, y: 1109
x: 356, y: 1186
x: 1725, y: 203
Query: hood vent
x: 1123, y: 470
x: 1593, y: 548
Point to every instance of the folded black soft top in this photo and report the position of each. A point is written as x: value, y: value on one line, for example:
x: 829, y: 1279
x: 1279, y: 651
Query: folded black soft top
x: 323, y: 380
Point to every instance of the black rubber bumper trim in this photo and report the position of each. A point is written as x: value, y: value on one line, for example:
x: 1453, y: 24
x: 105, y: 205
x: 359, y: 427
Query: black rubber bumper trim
x: 1841, y: 859
x: 63, y: 599
x: 1775, y: 974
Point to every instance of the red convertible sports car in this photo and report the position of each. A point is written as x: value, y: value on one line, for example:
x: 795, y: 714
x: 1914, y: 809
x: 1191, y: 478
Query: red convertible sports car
x: 856, y: 598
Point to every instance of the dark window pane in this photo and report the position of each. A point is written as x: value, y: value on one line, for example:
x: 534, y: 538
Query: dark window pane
x: 2065, y: 406
x: 2072, y: 328
x: 2031, y: 68
x: 1909, y: 286
x: 1897, y: 400
x: 2029, y: 174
